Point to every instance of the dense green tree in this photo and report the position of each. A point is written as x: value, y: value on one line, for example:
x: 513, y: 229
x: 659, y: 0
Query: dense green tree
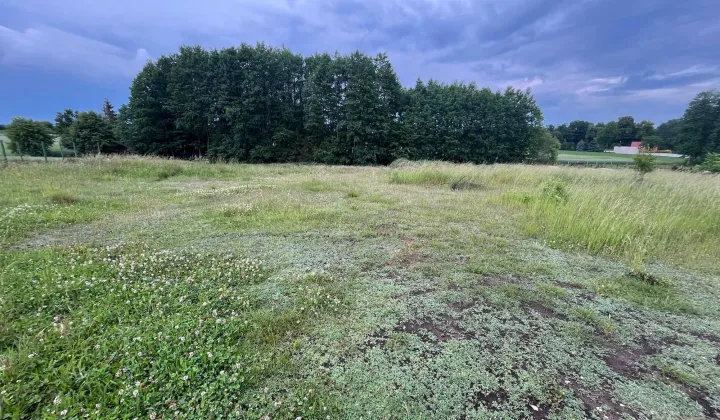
x: 700, y: 132
x: 63, y: 121
x: 627, y: 131
x: 669, y: 132
x: 27, y: 137
x: 645, y: 128
x: 578, y: 130
x: 609, y: 135
x: 581, y: 146
x: 544, y: 147
x: 92, y: 133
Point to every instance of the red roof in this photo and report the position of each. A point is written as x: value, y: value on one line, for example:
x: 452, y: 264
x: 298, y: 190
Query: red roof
x: 636, y: 144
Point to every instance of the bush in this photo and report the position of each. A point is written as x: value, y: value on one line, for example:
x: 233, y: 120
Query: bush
x: 644, y: 163
x: 544, y: 147
x: 711, y: 163
x: 27, y: 137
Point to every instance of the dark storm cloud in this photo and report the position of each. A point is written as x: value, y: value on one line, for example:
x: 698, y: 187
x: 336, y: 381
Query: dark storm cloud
x: 592, y: 59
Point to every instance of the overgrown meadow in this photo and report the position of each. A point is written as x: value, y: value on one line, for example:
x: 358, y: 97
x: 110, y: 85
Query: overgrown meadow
x: 148, y: 288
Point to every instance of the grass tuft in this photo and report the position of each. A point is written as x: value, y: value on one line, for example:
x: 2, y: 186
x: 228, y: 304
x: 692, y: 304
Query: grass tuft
x: 63, y: 198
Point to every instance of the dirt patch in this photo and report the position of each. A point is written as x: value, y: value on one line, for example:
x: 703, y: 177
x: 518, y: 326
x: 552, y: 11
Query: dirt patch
x: 609, y: 408
x: 704, y: 336
x: 543, y: 311
x: 491, y: 400
x: 627, y: 361
x: 461, y: 305
x: 573, y: 286
x: 539, y: 411
x: 442, y: 328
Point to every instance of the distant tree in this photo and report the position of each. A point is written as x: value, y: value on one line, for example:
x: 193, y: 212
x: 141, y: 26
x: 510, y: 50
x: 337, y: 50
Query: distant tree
x: 2, y: 127
x: 700, y: 132
x: 581, y: 146
x: 627, y: 131
x: 63, y: 121
x: 109, y: 111
x: 645, y: 128
x: 669, y: 132
x: 652, y: 141
x: 27, y: 137
x: 608, y: 135
x: 92, y: 133
x: 544, y: 147
x: 591, y: 142
x: 578, y: 130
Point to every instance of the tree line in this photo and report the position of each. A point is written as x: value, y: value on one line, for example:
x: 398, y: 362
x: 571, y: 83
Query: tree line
x: 696, y: 134
x: 263, y: 104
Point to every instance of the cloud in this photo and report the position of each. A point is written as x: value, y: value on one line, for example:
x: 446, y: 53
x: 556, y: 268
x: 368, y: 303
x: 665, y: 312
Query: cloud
x: 602, y: 85
x: 57, y: 50
x: 589, y: 54
x: 690, y: 71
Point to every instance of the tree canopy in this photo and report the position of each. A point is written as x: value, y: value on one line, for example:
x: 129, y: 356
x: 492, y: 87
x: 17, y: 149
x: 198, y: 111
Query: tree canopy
x: 264, y: 104
x: 27, y: 137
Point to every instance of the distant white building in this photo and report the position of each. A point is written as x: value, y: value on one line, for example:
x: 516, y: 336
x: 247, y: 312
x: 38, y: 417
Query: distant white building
x: 635, y: 147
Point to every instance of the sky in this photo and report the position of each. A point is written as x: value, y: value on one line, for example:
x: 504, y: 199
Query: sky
x: 594, y: 60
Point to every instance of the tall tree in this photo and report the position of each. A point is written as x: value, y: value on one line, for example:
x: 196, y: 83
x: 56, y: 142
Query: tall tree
x: 627, y: 130
x: 609, y: 135
x: 63, y: 121
x: 109, y: 111
x: 669, y: 132
x: 700, y: 133
x: 92, y: 133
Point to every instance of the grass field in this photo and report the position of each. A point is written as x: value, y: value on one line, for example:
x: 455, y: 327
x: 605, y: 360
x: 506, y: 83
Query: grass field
x: 602, y: 158
x: 137, y: 287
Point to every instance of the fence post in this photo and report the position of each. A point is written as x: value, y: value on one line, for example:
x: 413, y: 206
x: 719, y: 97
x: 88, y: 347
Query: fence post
x: 2, y: 146
x: 44, y: 152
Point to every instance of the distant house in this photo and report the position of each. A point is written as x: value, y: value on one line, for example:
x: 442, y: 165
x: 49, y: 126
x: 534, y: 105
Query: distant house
x: 637, y: 144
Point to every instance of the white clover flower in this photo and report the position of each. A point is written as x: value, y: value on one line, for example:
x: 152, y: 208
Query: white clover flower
x: 57, y: 400
x: 136, y: 393
x: 64, y: 412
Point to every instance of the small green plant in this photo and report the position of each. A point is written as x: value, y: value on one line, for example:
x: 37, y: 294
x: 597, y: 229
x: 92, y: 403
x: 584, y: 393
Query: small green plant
x: 556, y: 191
x: 644, y: 163
x: 353, y: 194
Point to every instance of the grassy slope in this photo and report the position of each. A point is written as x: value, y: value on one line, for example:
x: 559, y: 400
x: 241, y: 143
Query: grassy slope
x: 566, y: 156
x: 315, y: 291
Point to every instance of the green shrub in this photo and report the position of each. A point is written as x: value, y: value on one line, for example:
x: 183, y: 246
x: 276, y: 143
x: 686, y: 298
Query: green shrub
x: 711, y: 163
x: 644, y: 163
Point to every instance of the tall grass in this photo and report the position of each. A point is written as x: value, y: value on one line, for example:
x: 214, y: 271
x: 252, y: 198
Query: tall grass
x: 670, y: 216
